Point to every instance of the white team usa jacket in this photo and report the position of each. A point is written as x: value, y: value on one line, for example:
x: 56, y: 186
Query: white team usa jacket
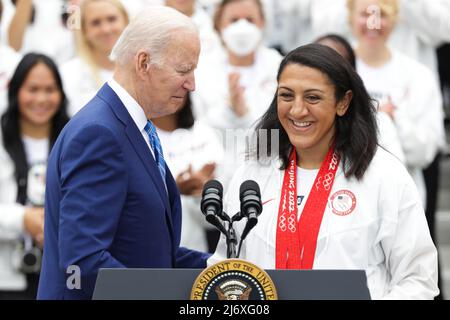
x: 376, y: 224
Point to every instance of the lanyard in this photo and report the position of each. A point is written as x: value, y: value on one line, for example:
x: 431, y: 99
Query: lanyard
x: 297, y: 239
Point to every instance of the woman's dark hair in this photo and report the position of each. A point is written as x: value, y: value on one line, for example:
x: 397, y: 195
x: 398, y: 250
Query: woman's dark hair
x: 185, y: 116
x: 12, y: 137
x: 344, y: 44
x: 356, y: 131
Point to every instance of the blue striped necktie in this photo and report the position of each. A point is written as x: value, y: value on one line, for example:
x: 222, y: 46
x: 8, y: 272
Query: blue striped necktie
x: 157, y: 149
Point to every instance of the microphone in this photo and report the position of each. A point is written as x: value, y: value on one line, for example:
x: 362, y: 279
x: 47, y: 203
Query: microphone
x: 251, y: 206
x: 211, y: 204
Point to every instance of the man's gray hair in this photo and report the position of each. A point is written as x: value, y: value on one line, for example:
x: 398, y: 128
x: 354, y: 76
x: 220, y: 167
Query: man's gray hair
x: 150, y: 30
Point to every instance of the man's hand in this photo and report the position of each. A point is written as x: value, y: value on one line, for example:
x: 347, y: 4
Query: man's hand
x: 34, y: 224
x: 237, y: 99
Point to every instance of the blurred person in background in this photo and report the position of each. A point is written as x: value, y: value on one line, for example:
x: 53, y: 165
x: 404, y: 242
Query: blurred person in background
x: 38, y: 26
x: 340, y: 45
x: 102, y: 22
x: 235, y: 88
x: 35, y: 116
x: 7, y: 11
x: 8, y: 62
x: 406, y: 90
x: 421, y: 28
x: 288, y: 24
x: 413, y: 35
x: 209, y: 5
x: 194, y: 155
x: 210, y: 42
x: 387, y: 132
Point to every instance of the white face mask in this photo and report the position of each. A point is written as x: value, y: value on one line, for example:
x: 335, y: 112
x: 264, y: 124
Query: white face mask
x: 242, y: 37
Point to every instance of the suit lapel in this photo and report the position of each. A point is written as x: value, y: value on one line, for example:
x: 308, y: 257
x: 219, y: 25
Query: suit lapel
x: 141, y: 148
x: 138, y: 143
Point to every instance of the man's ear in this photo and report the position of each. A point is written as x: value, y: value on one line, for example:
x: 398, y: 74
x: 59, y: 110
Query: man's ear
x: 343, y: 105
x: 142, y: 63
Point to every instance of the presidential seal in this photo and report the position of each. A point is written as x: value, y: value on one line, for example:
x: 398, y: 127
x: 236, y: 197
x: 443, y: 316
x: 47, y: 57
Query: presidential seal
x: 233, y: 279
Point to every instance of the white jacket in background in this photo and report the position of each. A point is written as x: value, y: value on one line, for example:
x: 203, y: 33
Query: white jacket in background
x: 211, y: 97
x: 8, y: 12
x: 209, y: 39
x: 80, y: 84
x: 386, y: 234
x: 9, y: 59
x: 47, y: 34
x: 11, y: 225
x: 288, y: 23
x: 388, y: 136
x: 419, y: 115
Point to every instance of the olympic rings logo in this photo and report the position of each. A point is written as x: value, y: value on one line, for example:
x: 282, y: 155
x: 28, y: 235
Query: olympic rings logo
x: 318, y: 183
x: 328, y: 181
x: 282, y: 223
x: 292, y: 221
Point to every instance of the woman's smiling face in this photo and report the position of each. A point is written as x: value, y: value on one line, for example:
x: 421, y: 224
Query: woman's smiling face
x: 307, y: 107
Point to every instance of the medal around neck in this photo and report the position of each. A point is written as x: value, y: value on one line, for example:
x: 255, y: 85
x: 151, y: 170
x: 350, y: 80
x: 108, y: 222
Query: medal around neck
x: 234, y: 279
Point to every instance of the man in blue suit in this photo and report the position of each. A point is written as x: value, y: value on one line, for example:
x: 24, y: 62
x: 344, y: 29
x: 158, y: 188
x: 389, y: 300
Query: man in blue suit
x: 111, y: 201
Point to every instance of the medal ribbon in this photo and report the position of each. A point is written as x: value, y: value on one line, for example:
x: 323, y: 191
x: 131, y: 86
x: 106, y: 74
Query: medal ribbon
x: 296, y: 240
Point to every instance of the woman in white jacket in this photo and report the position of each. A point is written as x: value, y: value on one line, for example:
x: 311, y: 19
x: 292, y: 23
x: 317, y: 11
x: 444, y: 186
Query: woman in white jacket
x: 102, y: 22
x: 333, y: 199
x: 35, y: 115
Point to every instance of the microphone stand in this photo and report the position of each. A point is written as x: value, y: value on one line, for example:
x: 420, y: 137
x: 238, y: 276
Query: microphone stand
x: 228, y: 231
x: 231, y: 242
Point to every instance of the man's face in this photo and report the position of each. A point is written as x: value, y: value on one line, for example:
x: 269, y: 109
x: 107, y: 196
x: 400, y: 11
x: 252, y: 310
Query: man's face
x: 166, y: 86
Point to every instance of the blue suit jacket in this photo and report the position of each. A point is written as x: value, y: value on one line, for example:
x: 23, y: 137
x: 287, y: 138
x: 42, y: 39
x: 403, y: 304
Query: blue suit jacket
x: 106, y: 205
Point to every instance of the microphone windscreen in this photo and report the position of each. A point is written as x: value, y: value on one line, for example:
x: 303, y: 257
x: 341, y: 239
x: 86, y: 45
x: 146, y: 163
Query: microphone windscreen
x: 249, y: 185
x: 213, y: 184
